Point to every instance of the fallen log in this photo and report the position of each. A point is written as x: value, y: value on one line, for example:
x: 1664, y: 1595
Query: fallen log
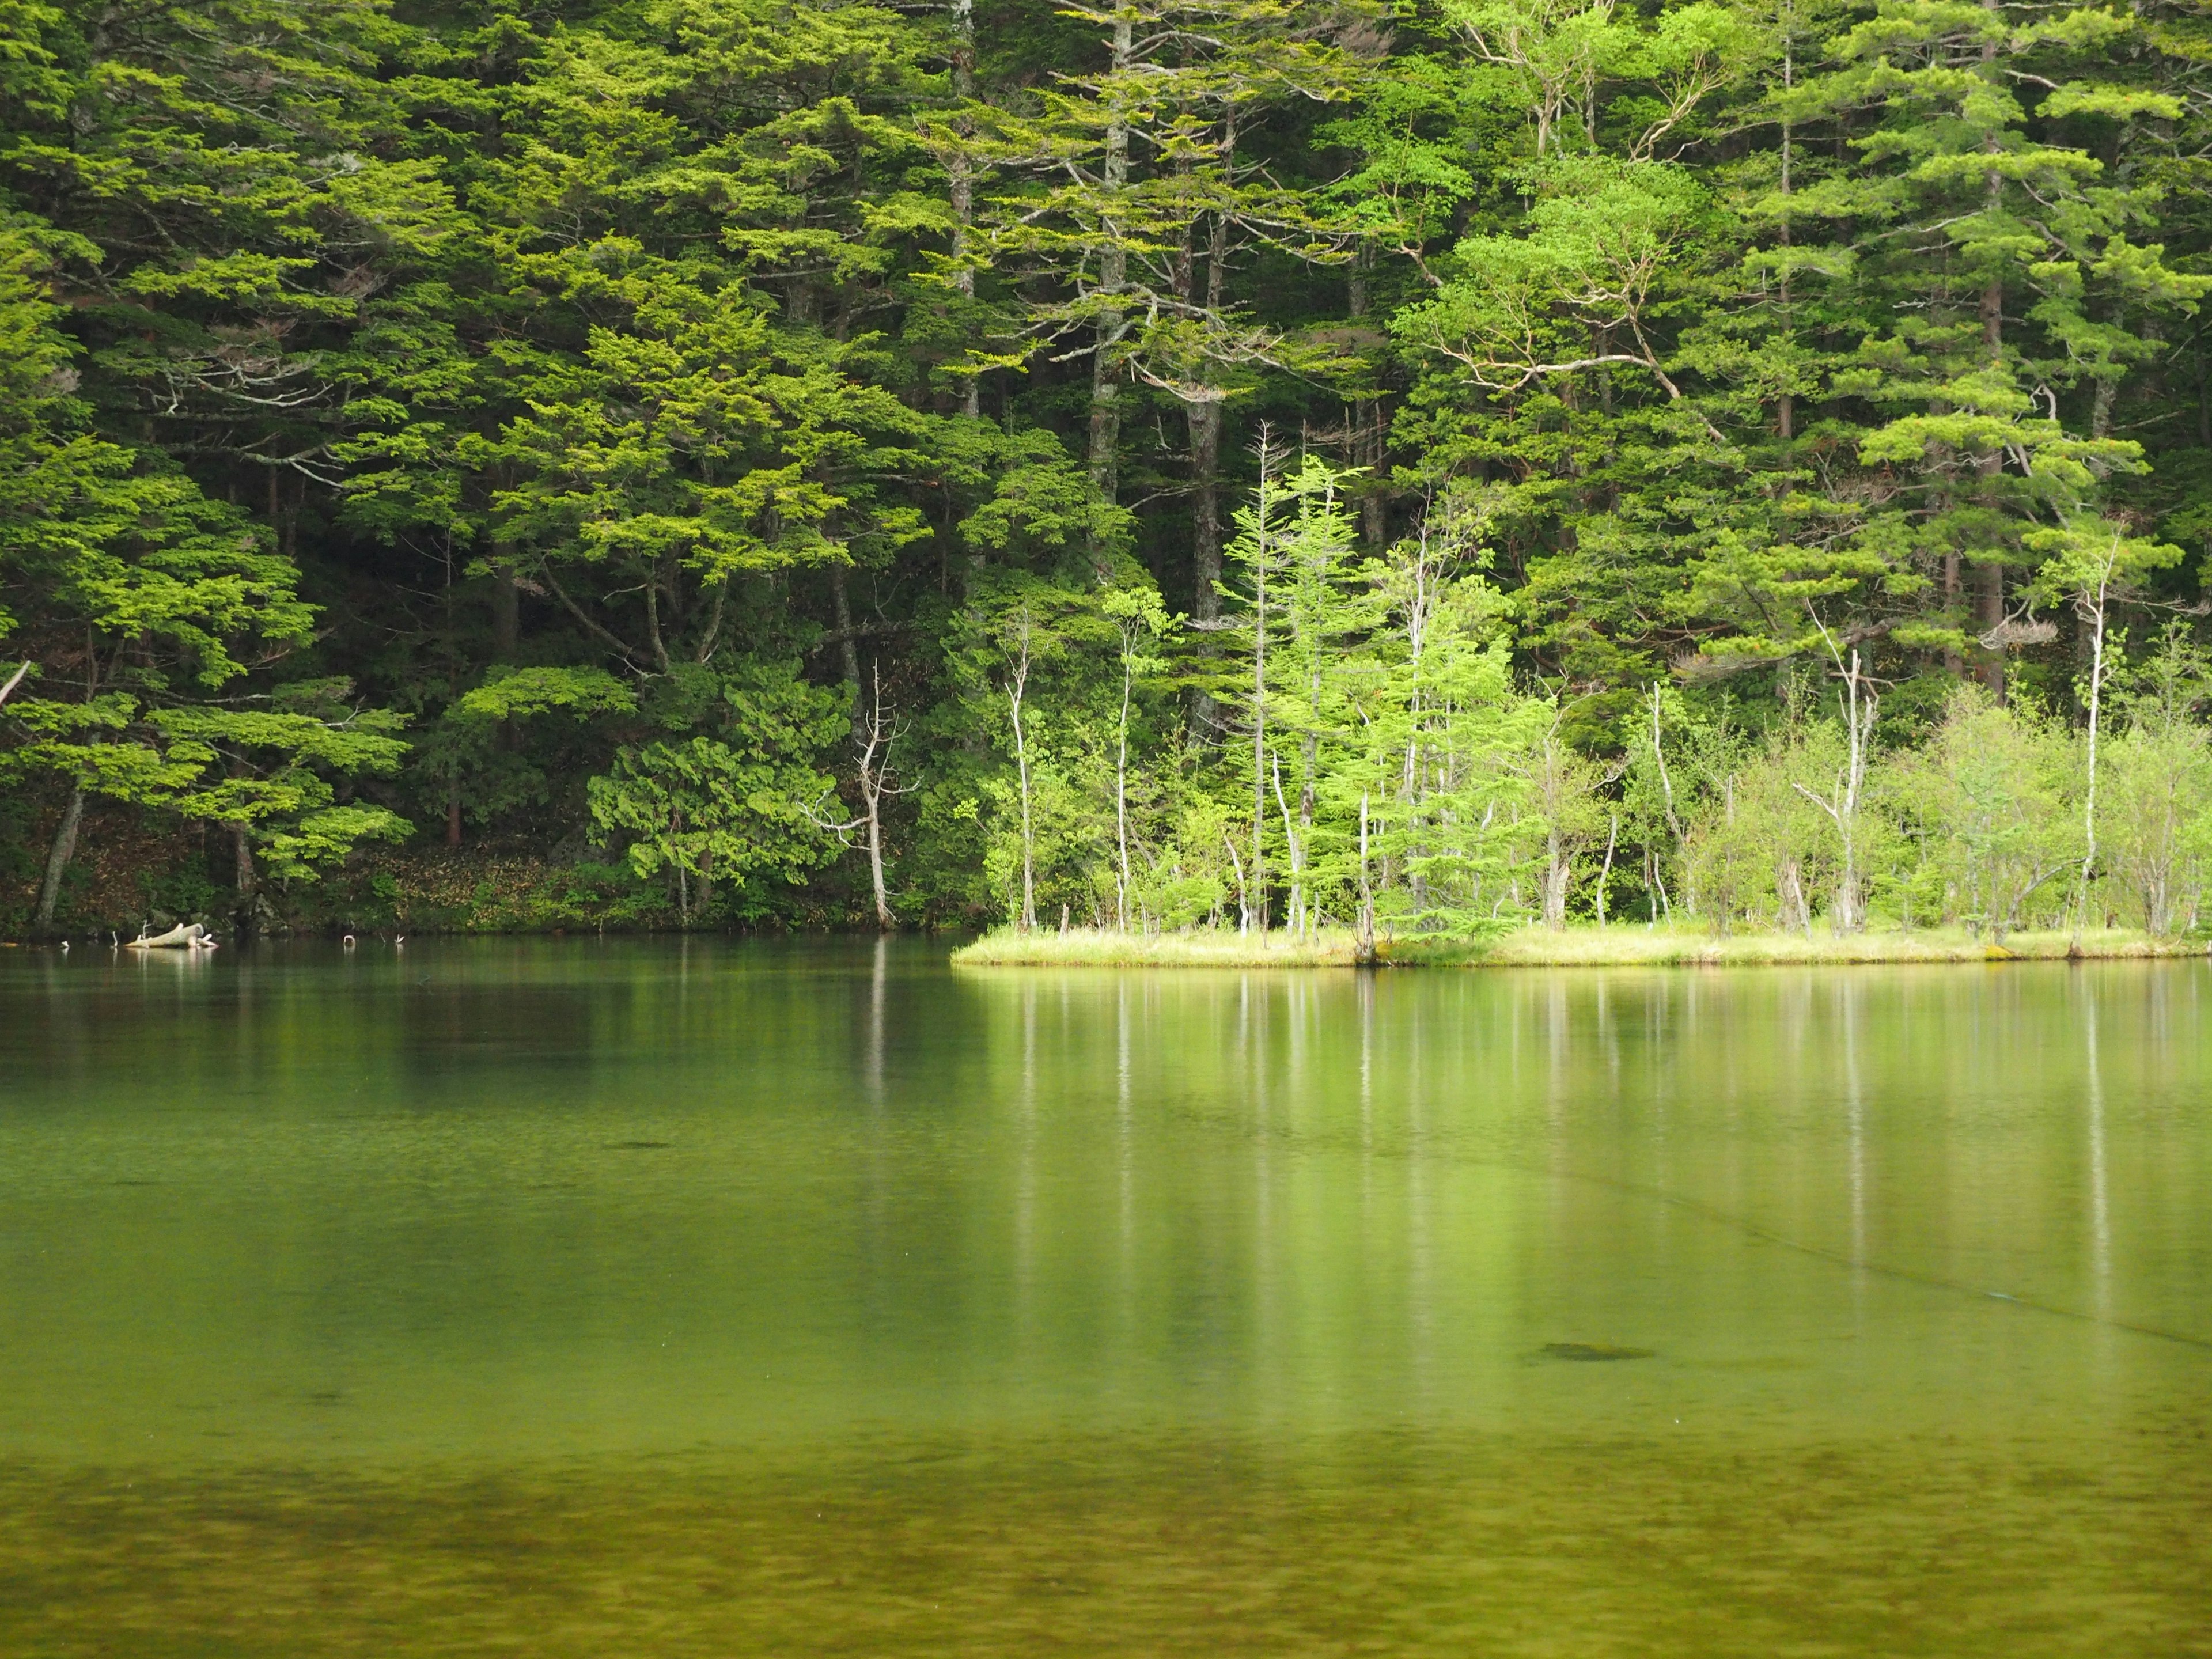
x: 183, y: 936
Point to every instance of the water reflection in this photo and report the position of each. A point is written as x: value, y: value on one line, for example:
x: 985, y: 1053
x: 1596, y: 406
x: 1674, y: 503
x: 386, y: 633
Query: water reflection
x: 730, y: 1225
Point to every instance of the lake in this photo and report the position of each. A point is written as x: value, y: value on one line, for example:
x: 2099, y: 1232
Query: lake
x: 645, y: 1297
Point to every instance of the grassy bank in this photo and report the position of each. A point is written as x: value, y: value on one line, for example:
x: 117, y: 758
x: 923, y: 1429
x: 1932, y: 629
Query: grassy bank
x: 1628, y: 945
x: 1091, y: 947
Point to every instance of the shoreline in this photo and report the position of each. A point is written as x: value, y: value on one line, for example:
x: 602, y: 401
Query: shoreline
x: 1623, y: 946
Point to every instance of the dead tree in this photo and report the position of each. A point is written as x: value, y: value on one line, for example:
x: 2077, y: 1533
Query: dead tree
x: 874, y: 734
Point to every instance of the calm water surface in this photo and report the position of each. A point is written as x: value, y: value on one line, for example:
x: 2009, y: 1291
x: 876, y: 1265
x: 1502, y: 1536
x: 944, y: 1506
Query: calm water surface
x: 570, y: 1297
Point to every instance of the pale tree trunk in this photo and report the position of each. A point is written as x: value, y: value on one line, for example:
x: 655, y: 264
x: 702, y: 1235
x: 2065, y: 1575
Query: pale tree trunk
x: 1294, y: 850
x: 1605, y: 873
x: 1859, y: 706
x: 1312, y: 759
x: 1556, y: 871
x: 1015, y: 690
x: 1122, y: 790
x: 875, y: 764
x: 1796, y: 911
x: 1366, y: 946
x: 1259, y: 880
x: 874, y: 733
x: 58, y: 854
x: 1667, y: 796
x: 2096, y: 689
x: 1417, y: 620
x: 1558, y: 854
x: 884, y: 920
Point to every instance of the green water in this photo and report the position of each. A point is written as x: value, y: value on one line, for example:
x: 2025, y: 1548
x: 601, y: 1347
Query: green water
x: 572, y: 1297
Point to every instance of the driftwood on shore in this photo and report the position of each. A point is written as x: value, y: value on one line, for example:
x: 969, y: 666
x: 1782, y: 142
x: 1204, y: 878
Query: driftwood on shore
x: 185, y: 935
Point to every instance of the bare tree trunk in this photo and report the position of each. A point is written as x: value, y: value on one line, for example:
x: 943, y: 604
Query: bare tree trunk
x: 1294, y: 850
x: 1260, y: 710
x: 1796, y: 911
x: 1556, y: 871
x: 2089, y: 800
x: 1312, y: 759
x: 1365, y: 950
x: 1859, y: 703
x: 1121, y: 792
x: 1665, y: 793
x: 58, y: 854
x: 1015, y: 690
x: 884, y: 920
x: 1605, y: 874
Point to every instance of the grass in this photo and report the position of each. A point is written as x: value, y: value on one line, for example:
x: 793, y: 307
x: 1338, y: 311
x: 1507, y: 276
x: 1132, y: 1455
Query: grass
x: 1092, y: 947
x: 1624, y: 945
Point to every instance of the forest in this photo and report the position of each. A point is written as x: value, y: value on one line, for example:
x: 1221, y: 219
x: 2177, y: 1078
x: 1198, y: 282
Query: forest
x: 1428, y: 467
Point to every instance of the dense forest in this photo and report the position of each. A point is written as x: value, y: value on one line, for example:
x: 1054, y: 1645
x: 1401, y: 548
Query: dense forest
x: 1244, y: 462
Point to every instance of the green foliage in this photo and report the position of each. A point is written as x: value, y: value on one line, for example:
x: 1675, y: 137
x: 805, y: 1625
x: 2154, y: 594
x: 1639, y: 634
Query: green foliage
x: 729, y: 808
x: 536, y: 426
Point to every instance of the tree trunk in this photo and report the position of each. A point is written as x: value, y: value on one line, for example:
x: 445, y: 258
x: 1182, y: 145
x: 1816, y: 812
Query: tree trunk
x: 1259, y: 881
x: 1365, y: 952
x: 848, y: 653
x: 1113, y: 270
x: 961, y: 177
x: 57, y: 859
x: 1121, y: 795
x: 1953, y: 662
x: 1367, y: 423
x: 884, y: 920
x: 246, y: 884
x: 1557, y: 874
x: 1989, y: 578
x: 1989, y: 611
x: 1204, y: 417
